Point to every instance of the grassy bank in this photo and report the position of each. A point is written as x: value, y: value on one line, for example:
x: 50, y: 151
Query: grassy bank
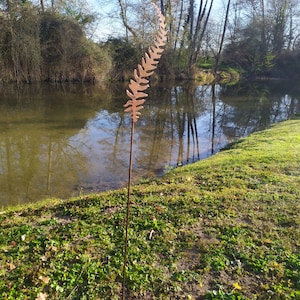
x: 223, y: 228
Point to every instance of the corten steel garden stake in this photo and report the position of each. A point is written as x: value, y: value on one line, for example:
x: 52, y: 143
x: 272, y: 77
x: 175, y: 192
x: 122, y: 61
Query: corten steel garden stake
x: 136, y: 93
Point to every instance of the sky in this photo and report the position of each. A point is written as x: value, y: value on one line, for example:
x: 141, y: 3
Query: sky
x: 107, y: 27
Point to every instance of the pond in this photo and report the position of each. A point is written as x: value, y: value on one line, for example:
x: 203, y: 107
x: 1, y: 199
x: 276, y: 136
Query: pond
x: 68, y: 140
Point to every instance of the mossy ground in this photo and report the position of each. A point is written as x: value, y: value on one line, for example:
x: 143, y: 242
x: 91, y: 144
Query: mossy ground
x: 227, y: 227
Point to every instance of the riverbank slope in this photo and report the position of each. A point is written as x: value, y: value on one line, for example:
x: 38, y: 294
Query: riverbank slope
x: 227, y: 227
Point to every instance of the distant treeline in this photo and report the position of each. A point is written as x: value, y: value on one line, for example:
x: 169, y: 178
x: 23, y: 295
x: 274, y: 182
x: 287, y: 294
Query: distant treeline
x: 47, y: 46
x: 39, y: 43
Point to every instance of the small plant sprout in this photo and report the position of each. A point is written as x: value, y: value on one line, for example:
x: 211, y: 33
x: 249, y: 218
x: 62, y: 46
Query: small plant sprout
x: 136, y: 93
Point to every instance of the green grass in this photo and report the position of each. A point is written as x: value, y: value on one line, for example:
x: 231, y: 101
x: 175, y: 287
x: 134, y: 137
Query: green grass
x: 223, y: 228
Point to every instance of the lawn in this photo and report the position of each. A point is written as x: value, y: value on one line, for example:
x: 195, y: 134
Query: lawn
x: 227, y: 227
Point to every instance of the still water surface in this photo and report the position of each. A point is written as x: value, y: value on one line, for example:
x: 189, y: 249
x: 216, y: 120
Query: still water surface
x: 66, y: 140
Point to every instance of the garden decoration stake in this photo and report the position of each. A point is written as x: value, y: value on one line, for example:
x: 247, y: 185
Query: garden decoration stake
x: 136, y: 93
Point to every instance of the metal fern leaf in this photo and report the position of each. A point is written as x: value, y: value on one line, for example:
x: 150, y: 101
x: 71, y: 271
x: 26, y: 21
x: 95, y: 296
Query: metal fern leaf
x: 140, y: 83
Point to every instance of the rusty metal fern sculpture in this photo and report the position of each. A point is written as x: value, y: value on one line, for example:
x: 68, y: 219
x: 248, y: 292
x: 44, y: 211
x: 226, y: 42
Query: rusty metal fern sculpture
x: 145, y: 70
x: 137, y: 95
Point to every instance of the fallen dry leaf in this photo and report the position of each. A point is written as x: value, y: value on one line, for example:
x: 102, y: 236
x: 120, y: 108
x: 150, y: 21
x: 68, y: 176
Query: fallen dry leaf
x: 41, y: 296
x: 44, y: 279
x: 10, y: 266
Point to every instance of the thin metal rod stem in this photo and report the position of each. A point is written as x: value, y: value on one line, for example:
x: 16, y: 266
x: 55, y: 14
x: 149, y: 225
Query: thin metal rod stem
x: 127, y: 211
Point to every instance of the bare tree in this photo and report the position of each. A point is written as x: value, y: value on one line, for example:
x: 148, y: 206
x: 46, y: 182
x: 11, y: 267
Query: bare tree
x: 198, y: 32
x: 218, y: 55
x: 123, y: 13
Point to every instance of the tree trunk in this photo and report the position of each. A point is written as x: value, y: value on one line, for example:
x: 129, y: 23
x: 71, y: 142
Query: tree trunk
x: 42, y: 6
x: 124, y: 19
x: 217, y: 59
x: 197, y: 51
